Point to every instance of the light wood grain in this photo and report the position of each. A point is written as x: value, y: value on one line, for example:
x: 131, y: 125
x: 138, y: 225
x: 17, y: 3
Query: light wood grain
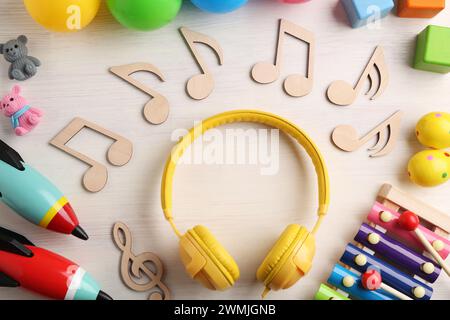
x: 134, y: 269
x: 200, y: 86
x: 119, y: 153
x: 341, y: 93
x: 423, y: 210
x: 345, y: 137
x: 295, y: 85
x: 245, y: 210
x: 432, y: 251
x: 156, y: 111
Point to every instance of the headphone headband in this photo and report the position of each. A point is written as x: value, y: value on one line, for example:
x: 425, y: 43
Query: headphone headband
x: 245, y: 116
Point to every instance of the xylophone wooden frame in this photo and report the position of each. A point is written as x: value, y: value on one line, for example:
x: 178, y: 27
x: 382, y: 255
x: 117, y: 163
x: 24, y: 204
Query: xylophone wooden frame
x: 398, y: 202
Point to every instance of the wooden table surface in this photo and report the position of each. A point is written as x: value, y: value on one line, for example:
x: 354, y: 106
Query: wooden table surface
x: 246, y: 211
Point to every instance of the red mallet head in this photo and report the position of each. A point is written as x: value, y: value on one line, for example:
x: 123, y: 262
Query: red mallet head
x: 408, y: 221
x: 371, y: 280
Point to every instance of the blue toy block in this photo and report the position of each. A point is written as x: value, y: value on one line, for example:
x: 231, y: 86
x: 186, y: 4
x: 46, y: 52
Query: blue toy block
x: 361, y: 12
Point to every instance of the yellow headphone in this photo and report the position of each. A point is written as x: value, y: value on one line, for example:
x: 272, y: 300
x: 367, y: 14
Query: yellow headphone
x: 205, y: 259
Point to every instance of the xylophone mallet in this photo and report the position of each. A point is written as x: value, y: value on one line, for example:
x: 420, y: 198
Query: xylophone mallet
x: 372, y: 280
x: 410, y: 222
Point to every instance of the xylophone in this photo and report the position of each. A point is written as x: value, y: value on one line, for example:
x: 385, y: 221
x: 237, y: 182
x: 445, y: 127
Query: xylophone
x: 401, y: 259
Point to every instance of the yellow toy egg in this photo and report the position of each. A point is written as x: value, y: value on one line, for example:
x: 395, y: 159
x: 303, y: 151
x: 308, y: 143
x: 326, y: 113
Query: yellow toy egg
x: 433, y: 130
x: 429, y: 168
x: 63, y: 15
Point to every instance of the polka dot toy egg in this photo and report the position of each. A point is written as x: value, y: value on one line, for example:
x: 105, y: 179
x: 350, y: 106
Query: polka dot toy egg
x: 429, y: 168
x: 433, y: 130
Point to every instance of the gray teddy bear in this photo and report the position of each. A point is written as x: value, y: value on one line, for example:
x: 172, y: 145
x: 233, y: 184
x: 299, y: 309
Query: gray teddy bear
x: 22, y: 66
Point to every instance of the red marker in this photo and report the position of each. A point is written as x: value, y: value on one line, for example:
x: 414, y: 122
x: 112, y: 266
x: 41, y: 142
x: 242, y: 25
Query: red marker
x: 44, y: 272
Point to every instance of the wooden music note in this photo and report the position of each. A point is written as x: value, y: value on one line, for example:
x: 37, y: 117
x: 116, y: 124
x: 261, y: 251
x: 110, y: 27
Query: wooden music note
x: 156, y: 111
x: 346, y: 138
x: 132, y: 266
x: 295, y: 85
x: 202, y: 85
x: 342, y: 93
x: 119, y: 153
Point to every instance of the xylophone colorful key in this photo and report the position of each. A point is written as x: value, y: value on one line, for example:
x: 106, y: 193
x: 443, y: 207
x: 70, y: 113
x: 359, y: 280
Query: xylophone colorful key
x: 350, y: 282
x: 396, y: 200
x: 326, y: 293
x: 387, y: 219
x: 360, y: 260
x: 398, y: 253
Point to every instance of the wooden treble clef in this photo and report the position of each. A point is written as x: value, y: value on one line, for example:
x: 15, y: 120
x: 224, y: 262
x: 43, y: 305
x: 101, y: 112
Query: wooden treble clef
x: 133, y: 267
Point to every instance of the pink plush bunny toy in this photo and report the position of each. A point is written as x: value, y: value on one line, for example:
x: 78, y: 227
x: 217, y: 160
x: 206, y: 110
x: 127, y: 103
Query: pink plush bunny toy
x: 23, y: 117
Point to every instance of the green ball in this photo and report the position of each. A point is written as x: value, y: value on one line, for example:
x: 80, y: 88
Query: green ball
x: 144, y: 15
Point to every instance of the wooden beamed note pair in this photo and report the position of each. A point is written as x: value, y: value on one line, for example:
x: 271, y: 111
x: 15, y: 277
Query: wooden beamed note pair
x: 119, y: 153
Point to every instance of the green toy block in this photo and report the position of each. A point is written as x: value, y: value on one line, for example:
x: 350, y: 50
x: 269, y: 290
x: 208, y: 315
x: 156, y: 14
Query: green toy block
x: 433, y: 50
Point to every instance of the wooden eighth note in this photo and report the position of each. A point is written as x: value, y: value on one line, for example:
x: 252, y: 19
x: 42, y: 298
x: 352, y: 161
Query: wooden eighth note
x: 295, y: 85
x: 346, y: 138
x: 156, y: 111
x: 132, y: 266
x: 202, y: 85
x: 119, y: 153
x: 341, y: 93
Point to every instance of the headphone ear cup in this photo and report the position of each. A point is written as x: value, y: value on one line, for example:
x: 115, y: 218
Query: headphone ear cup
x: 289, y: 259
x: 206, y: 260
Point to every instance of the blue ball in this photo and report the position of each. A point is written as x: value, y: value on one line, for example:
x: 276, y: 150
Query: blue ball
x: 219, y: 6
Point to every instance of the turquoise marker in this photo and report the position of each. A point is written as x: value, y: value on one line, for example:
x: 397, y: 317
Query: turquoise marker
x: 34, y: 197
